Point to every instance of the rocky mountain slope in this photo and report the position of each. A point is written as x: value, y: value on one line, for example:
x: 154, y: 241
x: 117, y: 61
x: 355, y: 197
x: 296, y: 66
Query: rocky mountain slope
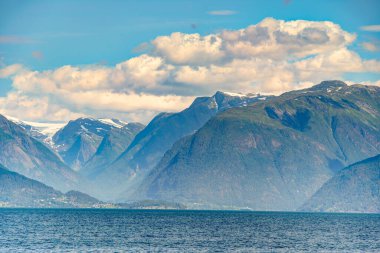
x: 113, y: 144
x: 273, y: 155
x: 79, y: 140
x: 30, y: 157
x: 353, y: 189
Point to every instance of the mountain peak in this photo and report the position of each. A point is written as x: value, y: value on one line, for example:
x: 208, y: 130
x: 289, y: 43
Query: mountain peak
x: 233, y: 94
x: 330, y: 84
x: 113, y: 122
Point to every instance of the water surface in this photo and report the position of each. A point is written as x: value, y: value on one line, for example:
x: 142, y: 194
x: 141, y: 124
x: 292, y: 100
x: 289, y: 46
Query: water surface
x: 72, y: 230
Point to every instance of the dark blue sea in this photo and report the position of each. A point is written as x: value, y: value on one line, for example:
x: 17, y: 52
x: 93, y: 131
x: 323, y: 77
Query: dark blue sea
x: 95, y: 230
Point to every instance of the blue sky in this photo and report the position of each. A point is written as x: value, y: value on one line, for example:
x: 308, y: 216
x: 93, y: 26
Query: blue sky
x: 45, y: 35
x: 87, y: 32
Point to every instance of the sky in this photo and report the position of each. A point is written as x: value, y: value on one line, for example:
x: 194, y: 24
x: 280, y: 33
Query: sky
x: 60, y: 60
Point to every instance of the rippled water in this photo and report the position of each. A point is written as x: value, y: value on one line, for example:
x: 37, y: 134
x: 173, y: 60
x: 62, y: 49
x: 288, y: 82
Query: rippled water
x: 191, y: 231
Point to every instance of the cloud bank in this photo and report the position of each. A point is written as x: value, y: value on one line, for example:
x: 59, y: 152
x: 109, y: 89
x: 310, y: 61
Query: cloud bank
x: 272, y: 56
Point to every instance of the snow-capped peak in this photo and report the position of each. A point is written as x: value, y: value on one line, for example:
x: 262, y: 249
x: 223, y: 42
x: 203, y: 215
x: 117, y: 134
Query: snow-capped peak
x: 45, y: 128
x: 114, y: 122
x: 232, y: 94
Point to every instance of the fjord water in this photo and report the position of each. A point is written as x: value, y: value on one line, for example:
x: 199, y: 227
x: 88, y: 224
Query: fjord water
x: 79, y: 230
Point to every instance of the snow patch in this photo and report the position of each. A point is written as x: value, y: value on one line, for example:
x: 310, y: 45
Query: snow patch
x: 232, y: 94
x: 84, y: 128
x: 48, y: 129
x: 114, y: 122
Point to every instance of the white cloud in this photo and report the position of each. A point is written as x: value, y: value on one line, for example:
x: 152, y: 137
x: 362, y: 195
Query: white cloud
x: 141, y: 73
x: 371, y: 28
x: 193, y: 49
x: 10, y: 70
x: 275, y: 39
x: 272, y: 56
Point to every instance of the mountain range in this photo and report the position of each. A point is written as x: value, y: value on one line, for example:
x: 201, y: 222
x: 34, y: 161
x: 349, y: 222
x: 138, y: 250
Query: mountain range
x: 228, y: 150
x: 273, y: 155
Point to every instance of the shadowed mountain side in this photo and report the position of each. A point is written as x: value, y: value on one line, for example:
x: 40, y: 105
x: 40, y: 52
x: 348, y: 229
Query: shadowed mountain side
x: 19, y: 191
x: 353, y: 189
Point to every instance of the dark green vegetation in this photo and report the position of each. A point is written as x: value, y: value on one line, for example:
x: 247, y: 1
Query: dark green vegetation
x: 30, y: 157
x: 353, y: 189
x: 273, y: 155
x: 19, y: 191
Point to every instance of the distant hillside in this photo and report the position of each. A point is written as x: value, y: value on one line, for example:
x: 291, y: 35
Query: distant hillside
x: 353, y: 189
x: 19, y: 191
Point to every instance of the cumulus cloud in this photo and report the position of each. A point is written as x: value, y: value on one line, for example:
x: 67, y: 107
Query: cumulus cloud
x: 272, y: 56
x: 193, y: 49
x: 275, y: 39
x: 11, y: 70
x: 69, y: 92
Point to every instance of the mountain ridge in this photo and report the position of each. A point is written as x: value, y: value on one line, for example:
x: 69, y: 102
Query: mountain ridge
x: 356, y: 188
